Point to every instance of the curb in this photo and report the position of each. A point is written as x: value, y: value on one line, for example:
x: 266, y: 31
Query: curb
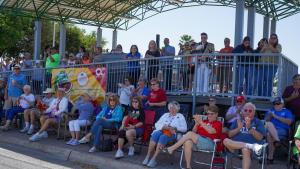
x: 72, y: 155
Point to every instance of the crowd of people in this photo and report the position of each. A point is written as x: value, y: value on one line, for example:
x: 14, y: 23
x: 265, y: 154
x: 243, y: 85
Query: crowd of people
x: 125, y: 110
x: 207, y: 71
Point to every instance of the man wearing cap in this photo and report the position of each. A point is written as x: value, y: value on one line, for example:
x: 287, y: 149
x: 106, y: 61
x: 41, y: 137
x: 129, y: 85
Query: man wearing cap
x: 278, y: 121
x: 31, y: 114
x: 16, y: 81
x: 233, y: 112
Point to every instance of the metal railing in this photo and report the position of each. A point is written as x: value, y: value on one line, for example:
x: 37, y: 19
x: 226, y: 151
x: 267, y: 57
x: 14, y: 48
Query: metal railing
x: 254, y: 75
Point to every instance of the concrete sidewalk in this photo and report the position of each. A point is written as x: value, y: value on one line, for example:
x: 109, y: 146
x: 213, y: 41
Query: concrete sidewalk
x: 103, y: 160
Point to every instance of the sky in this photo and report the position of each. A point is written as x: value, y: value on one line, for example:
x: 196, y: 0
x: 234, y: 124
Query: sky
x: 217, y: 22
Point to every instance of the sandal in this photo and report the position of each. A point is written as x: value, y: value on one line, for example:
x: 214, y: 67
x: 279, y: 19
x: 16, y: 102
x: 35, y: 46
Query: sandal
x: 165, y: 150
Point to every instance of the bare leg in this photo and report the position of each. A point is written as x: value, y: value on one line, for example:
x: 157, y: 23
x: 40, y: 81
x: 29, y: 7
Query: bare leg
x: 297, y: 142
x: 77, y: 135
x: 188, y: 146
x: 272, y: 130
x: 246, y: 158
x: 233, y: 145
x: 189, y: 136
x: 72, y: 134
x: 42, y: 120
x: 130, y: 135
x: 47, y: 123
x: 26, y: 115
x: 120, y: 143
x: 32, y: 117
x: 158, y: 148
x: 151, y: 148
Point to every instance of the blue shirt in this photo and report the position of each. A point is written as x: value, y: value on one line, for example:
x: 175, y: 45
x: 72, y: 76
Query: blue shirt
x: 284, y: 113
x: 245, y: 136
x: 144, y: 92
x: 168, y: 51
x: 133, y: 65
x: 16, y: 90
x: 86, y: 110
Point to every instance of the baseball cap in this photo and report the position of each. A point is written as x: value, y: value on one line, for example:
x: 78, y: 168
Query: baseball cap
x: 17, y: 66
x: 278, y: 100
x: 240, y: 98
x: 48, y: 90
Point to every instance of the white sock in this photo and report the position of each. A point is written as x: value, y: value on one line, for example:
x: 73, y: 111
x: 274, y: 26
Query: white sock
x: 249, y: 146
x: 26, y: 124
x: 31, y: 126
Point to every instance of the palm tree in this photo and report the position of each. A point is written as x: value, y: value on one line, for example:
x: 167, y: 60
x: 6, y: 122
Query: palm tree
x: 186, y: 39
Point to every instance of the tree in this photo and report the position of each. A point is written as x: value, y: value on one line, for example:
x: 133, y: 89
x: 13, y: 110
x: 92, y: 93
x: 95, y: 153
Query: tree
x: 186, y: 39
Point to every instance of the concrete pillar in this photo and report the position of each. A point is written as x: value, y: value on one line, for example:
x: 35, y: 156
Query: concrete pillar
x: 62, y: 41
x: 266, y: 27
x: 251, y: 24
x: 239, y: 22
x: 37, y: 39
x: 99, y: 37
x: 114, y: 39
x: 158, y: 41
x: 273, y: 26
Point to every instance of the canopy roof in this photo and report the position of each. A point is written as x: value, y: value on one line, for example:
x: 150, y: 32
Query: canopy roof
x: 124, y: 14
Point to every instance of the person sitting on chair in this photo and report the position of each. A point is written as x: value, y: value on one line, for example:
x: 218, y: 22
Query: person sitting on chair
x: 246, y: 134
x: 108, y: 118
x: 52, y: 115
x: 202, y: 136
x: 278, y: 121
x: 31, y: 114
x: 132, y: 127
x: 165, y: 132
x: 25, y: 101
x: 85, y: 109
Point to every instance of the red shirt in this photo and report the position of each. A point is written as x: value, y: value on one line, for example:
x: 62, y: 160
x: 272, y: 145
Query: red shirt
x: 157, y: 96
x: 227, y: 50
x: 217, y: 125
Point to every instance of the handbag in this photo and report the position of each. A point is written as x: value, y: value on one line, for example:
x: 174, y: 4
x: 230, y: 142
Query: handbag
x: 106, y: 145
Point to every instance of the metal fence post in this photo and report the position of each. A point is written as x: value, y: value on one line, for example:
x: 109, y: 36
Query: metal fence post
x: 280, y: 76
x: 194, y: 90
x: 234, y: 78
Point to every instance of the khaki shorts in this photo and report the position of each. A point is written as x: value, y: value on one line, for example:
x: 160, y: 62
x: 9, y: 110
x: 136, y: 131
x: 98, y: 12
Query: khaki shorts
x: 10, y: 102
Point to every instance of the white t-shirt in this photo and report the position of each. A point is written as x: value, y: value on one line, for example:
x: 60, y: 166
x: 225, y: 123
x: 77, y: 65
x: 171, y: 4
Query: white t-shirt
x: 125, y: 93
x: 23, y: 103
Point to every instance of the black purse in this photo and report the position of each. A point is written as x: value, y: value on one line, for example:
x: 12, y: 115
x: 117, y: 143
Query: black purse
x: 106, y: 145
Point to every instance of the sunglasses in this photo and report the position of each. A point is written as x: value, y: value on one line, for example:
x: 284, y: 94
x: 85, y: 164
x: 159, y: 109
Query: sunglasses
x: 135, y: 101
x: 277, y: 104
x: 248, y: 110
x: 211, y: 100
x: 238, y: 101
x: 153, y: 84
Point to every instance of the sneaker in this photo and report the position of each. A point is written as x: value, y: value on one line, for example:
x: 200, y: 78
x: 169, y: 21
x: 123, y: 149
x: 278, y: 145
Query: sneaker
x: 131, y: 151
x: 119, y: 154
x: 146, y: 160
x: 24, y: 130
x: 4, y: 128
x: 70, y: 141
x: 35, y: 137
x: 84, y: 140
x: 257, y: 148
x: 44, y: 134
x: 74, y: 142
x: 93, y: 149
x: 30, y: 131
x: 152, y: 163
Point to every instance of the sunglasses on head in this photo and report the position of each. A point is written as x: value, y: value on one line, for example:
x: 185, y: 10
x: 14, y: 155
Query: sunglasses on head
x: 248, y: 110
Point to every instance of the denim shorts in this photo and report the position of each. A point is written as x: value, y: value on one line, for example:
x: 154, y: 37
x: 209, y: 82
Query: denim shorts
x: 204, y: 143
x: 139, y: 132
x: 159, y: 137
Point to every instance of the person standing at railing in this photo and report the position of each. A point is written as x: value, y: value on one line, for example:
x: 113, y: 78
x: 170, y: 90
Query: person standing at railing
x: 245, y: 68
x: 224, y: 73
x: 203, y: 70
x: 27, y: 64
x: 270, y: 64
x: 134, y: 66
x: 153, y: 64
x: 80, y: 53
x: 292, y: 98
x: 168, y: 50
x: 52, y: 61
